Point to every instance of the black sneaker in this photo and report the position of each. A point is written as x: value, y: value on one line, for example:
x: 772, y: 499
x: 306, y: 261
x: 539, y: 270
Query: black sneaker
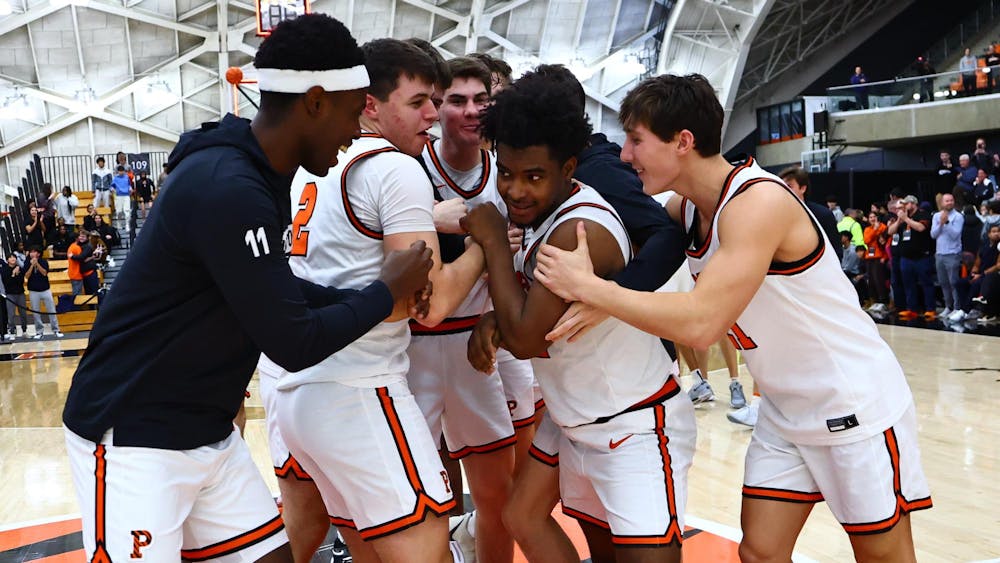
x: 339, y: 552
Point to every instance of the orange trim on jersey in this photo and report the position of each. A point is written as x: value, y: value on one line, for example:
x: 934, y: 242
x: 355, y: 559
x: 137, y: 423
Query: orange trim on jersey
x: 484, y: 178
x: 552, y: 460
x: 424, y: 503
x: 701, y: 250
x: 799, y: 268
x: 452, y: 325
x: 903, y: 506
x: 291, y: 468
x: 232, y: 545
x: 367, y: 135
x: 539, y: 404
x: 101, y: 554
x: 485, y: 448
x: 355, y: 222
x: 782, y: 495
x: 524, y: 422
x: 343, y: 522
x: 673, y: 532
x: 583, y: 516
x: 537, y: 243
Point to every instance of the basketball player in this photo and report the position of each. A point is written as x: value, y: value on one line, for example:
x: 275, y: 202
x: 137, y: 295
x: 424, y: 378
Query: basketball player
x: 351, y: 421
x: 836, y: 418
x: 613, y: 395
x: 475, y: 416
x: 159, y: 469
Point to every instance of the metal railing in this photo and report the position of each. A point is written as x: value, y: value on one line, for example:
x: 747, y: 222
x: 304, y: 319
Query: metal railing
x: 972, y: 24
x: 914, y: 90
x: 74, y: 171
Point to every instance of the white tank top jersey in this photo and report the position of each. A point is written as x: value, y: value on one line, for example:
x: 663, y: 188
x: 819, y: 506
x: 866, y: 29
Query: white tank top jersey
x: 476, y: 187
x: 613, y: 368
x: 336, y: 240
x: 826, y: 376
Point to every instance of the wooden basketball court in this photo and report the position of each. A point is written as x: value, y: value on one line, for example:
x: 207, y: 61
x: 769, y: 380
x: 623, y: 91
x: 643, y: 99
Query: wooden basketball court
x: 955, y: 380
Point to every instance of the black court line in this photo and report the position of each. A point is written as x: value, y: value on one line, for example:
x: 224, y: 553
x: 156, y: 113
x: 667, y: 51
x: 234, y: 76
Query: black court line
x: 45, y: 548
x: 41, y: 354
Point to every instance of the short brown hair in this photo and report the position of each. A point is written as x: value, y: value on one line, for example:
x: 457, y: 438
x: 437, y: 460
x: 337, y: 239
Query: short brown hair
x: 668, y: 104
x: 497, y: 66
x: 388, y: 59
x: 468, y: 67
x: 443, y: 72
x: 796, y: 173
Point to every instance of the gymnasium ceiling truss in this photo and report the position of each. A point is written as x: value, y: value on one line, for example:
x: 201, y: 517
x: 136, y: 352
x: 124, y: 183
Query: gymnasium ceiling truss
x: 161, y: 73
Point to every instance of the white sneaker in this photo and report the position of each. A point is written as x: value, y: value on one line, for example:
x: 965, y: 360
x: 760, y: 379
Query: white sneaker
x: 986, y: 319
x: 9, y: 337
x: 59, y: 334
x: 462, y: 537
x: 947, y: 311
x: 957, y: 315
x: 38, y: 335
x: 747, y: 416
x: 701, y: 391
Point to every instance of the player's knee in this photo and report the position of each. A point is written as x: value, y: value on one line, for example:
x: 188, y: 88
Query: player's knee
x: 879, y: 548
x: 760, y: 552
x: 518, y: 523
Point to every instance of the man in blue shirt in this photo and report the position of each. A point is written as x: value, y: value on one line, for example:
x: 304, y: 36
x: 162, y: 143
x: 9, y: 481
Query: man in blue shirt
x: 946, y: 230
x: 122, y: 186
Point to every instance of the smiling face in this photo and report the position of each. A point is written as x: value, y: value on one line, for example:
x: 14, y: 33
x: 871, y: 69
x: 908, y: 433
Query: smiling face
x: 655, y: 160
x: 331, y: 121
x: 532, y: 182
x: 463, y: 103
x: 404, y: 118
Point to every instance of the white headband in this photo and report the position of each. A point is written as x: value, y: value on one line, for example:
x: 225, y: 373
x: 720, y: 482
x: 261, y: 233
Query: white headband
x: 299, y: 81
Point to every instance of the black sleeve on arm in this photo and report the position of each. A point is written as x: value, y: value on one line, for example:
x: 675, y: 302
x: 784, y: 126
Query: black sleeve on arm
x: 657, y: 260
x: 320, y: 296
x: 246, y: 263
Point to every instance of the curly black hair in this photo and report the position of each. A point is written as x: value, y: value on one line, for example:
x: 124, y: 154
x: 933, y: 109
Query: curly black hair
x: 537, y: 110
x: 309, y: 42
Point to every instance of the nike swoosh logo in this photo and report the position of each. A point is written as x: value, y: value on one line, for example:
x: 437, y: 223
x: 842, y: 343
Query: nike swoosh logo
x: 612, y: 444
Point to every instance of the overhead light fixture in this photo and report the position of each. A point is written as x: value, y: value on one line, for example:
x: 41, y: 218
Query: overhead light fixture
x: 633, y: 65
x: 158, y: 93
x: 85, y: 95
x: 580, y: 69
x: 5, y: 8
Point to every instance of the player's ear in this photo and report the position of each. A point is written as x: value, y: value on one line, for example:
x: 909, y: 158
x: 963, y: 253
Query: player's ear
x: 371, y: 107
x: 685, y: 141
x: 569, y: 168
x: 313, y: 100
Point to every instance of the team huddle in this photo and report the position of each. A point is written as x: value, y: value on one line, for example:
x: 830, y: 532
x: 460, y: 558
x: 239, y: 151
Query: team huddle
x: 423, y: 302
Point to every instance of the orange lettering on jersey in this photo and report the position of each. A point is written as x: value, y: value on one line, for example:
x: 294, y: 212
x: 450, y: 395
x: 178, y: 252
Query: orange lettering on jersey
x: 140, y: 539
x: 307, y: 204
x: 447, y: 484
x: 740, y: 339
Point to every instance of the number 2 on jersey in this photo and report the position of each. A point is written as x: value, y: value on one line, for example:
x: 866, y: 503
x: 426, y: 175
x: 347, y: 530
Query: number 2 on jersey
x: 300, y: 234
x: 740, y: 339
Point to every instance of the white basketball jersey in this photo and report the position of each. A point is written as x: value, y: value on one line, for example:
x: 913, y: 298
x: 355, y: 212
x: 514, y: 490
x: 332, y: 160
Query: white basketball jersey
x: 826, y: 376
x: 336, y: 240
x: 614, y: 367
x: 476, y: 188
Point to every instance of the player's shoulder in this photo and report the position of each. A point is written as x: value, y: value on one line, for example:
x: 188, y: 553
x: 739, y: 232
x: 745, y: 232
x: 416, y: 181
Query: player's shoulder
x: 394, y: 166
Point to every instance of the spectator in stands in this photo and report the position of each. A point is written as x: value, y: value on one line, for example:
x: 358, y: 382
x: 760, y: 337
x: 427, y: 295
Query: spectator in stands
x: 37, y: 275
x: 967, y: 66
x: 107, y: 233
x: 946, y: 230
x: 851, y: 225
x: 850, y: 263
x: 65, y: 204
x: 123, y: 194
x: 990, y: 217
x: 21, y: 254
x: 972, y: 229
x: 982, y: 158
x: 992, y: 68
x: 34, y: 227
x: 923, y: 68
x: 100, y: 183
x: 860, y: 91
x: 82, y: 267
x: 797, y: 179
x: 831, y: 203
x: 966, y: 177
x: 89, y: 221
x: 122, y: 160
x: 163, y: 176
x: 986, y: 265
x: 947, y: 173
x: 144, y: 188
x: 63, y: 239
x: 500, y: 71
x: 916, y: 264
x: 44, y: 204
x: 875, y: 263
x: 983, y: 189
x: 13, y: 285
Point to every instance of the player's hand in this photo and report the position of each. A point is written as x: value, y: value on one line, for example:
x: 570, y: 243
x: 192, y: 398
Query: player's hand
x: 575, y: 322
x: 420, y: 303
x: 485, y: 225
x: 404, y: 272
x: 448, y: 214
x: 515, y: 235
x: 563, y: 272
x: 483, y: 343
